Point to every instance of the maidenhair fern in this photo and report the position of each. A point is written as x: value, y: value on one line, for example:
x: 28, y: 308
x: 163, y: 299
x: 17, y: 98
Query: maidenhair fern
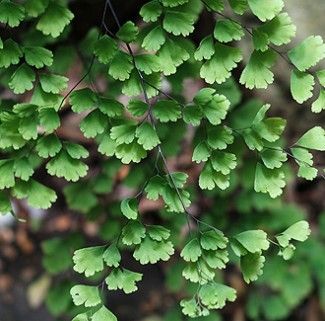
x: 138, y: 61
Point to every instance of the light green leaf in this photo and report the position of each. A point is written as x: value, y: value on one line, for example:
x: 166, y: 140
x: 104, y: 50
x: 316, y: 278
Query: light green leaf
x: 150, y: 251
x: 93, y: 124
x: 132, y: 152
x: 123, y: 279
x: 54, y: 84
x: 227, y: 30
x: 120, y: 66
x: 267, y: 9
x: 301, y: 86
x: 133, y: 233
x: 257, y: 73
x: 63, y: 165
x: 147, y: 136
x: 254, y: 241
x: 218, y: 68
x: 308, y: 53
x: 7, y: 174
x: 252, y: 266
x: 82, y: 100
x: 191, y: 251
x: 48, y: 146
x: 129, y: 208
x: 112, y: 256
x: 154, y: 39
x: 167, y: 110
x: 88, y: 260
x: 269, y: 181
x: 213, y: 240
x: 314, y: 138
x: 85, y: 295
x: 319, y: 104
x: 103, y: 314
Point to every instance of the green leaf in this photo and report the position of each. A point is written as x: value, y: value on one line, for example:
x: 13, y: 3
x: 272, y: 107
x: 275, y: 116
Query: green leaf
x: 192, y: 114
x: 210, y: 178
x: 10, y: 53
x: 5, y: 204
x: 191, y: 251
x: 55, y: 18
x: 299, y: 231
x: 305, y: 161
x: 105, y: 49
x: 215, y: 295
x: 273, y: 158
x: 319, y: 104
x: 223, y: 162
x: 11, y: 13
x: 266, y: 10
x: 123, y: 134
x: 178, y: 23
x: 314, y: 138
x: 7, y: 174
x: 110, y: 107
x: 216, y: 109
x: 23, y: 168
x: 213, y: 240
x: 260, y: 40
x: 137, y: 107
x: 38, y: 57
x: 220, y: 137
x: 120, y: 66
x: 112, y: 256
x: 38, y: 195
x: 107, y: 146
x: 133, y: 233
x: 88, y: 260
x: 28, y: 127
x: 269, y: 181
x: 154, y: 39
x: 257, y: 73
x: 93, y: 124
x: 189, y: 308
x: 150, y: 251
x: 151, y: 11
x: 82, y: 100
x: 155, y: 187
x: 218, y: 68
x: 132, y: 152
x: 308, y: 53
x: 22, y: 79
x: 147, y: 63
x: 252, y: 266
x: 147, y: 136
x: 48, y: 146
x: 85, y: 295
x: 239, y: 6
x: 128, y: 32
x: 173, y: 3
x: 215, y: 5
x: 227, y: 30
x: 301, y: 86
x: 254, y: 241
x: 129, y: 208
x: 158, y: 232
x: 49, y: 119
x: 63, y: 165
x: 81, y: 317
x: 102, y: 314
x: 280, y: 30
x: 167, y: 110
x: 171, y: 55
x: 75, y: 150
x: 35, y: 7
x: 123, y: 279
x: 201, y: 152
x: 53, y: 83
x: 205, y: 50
